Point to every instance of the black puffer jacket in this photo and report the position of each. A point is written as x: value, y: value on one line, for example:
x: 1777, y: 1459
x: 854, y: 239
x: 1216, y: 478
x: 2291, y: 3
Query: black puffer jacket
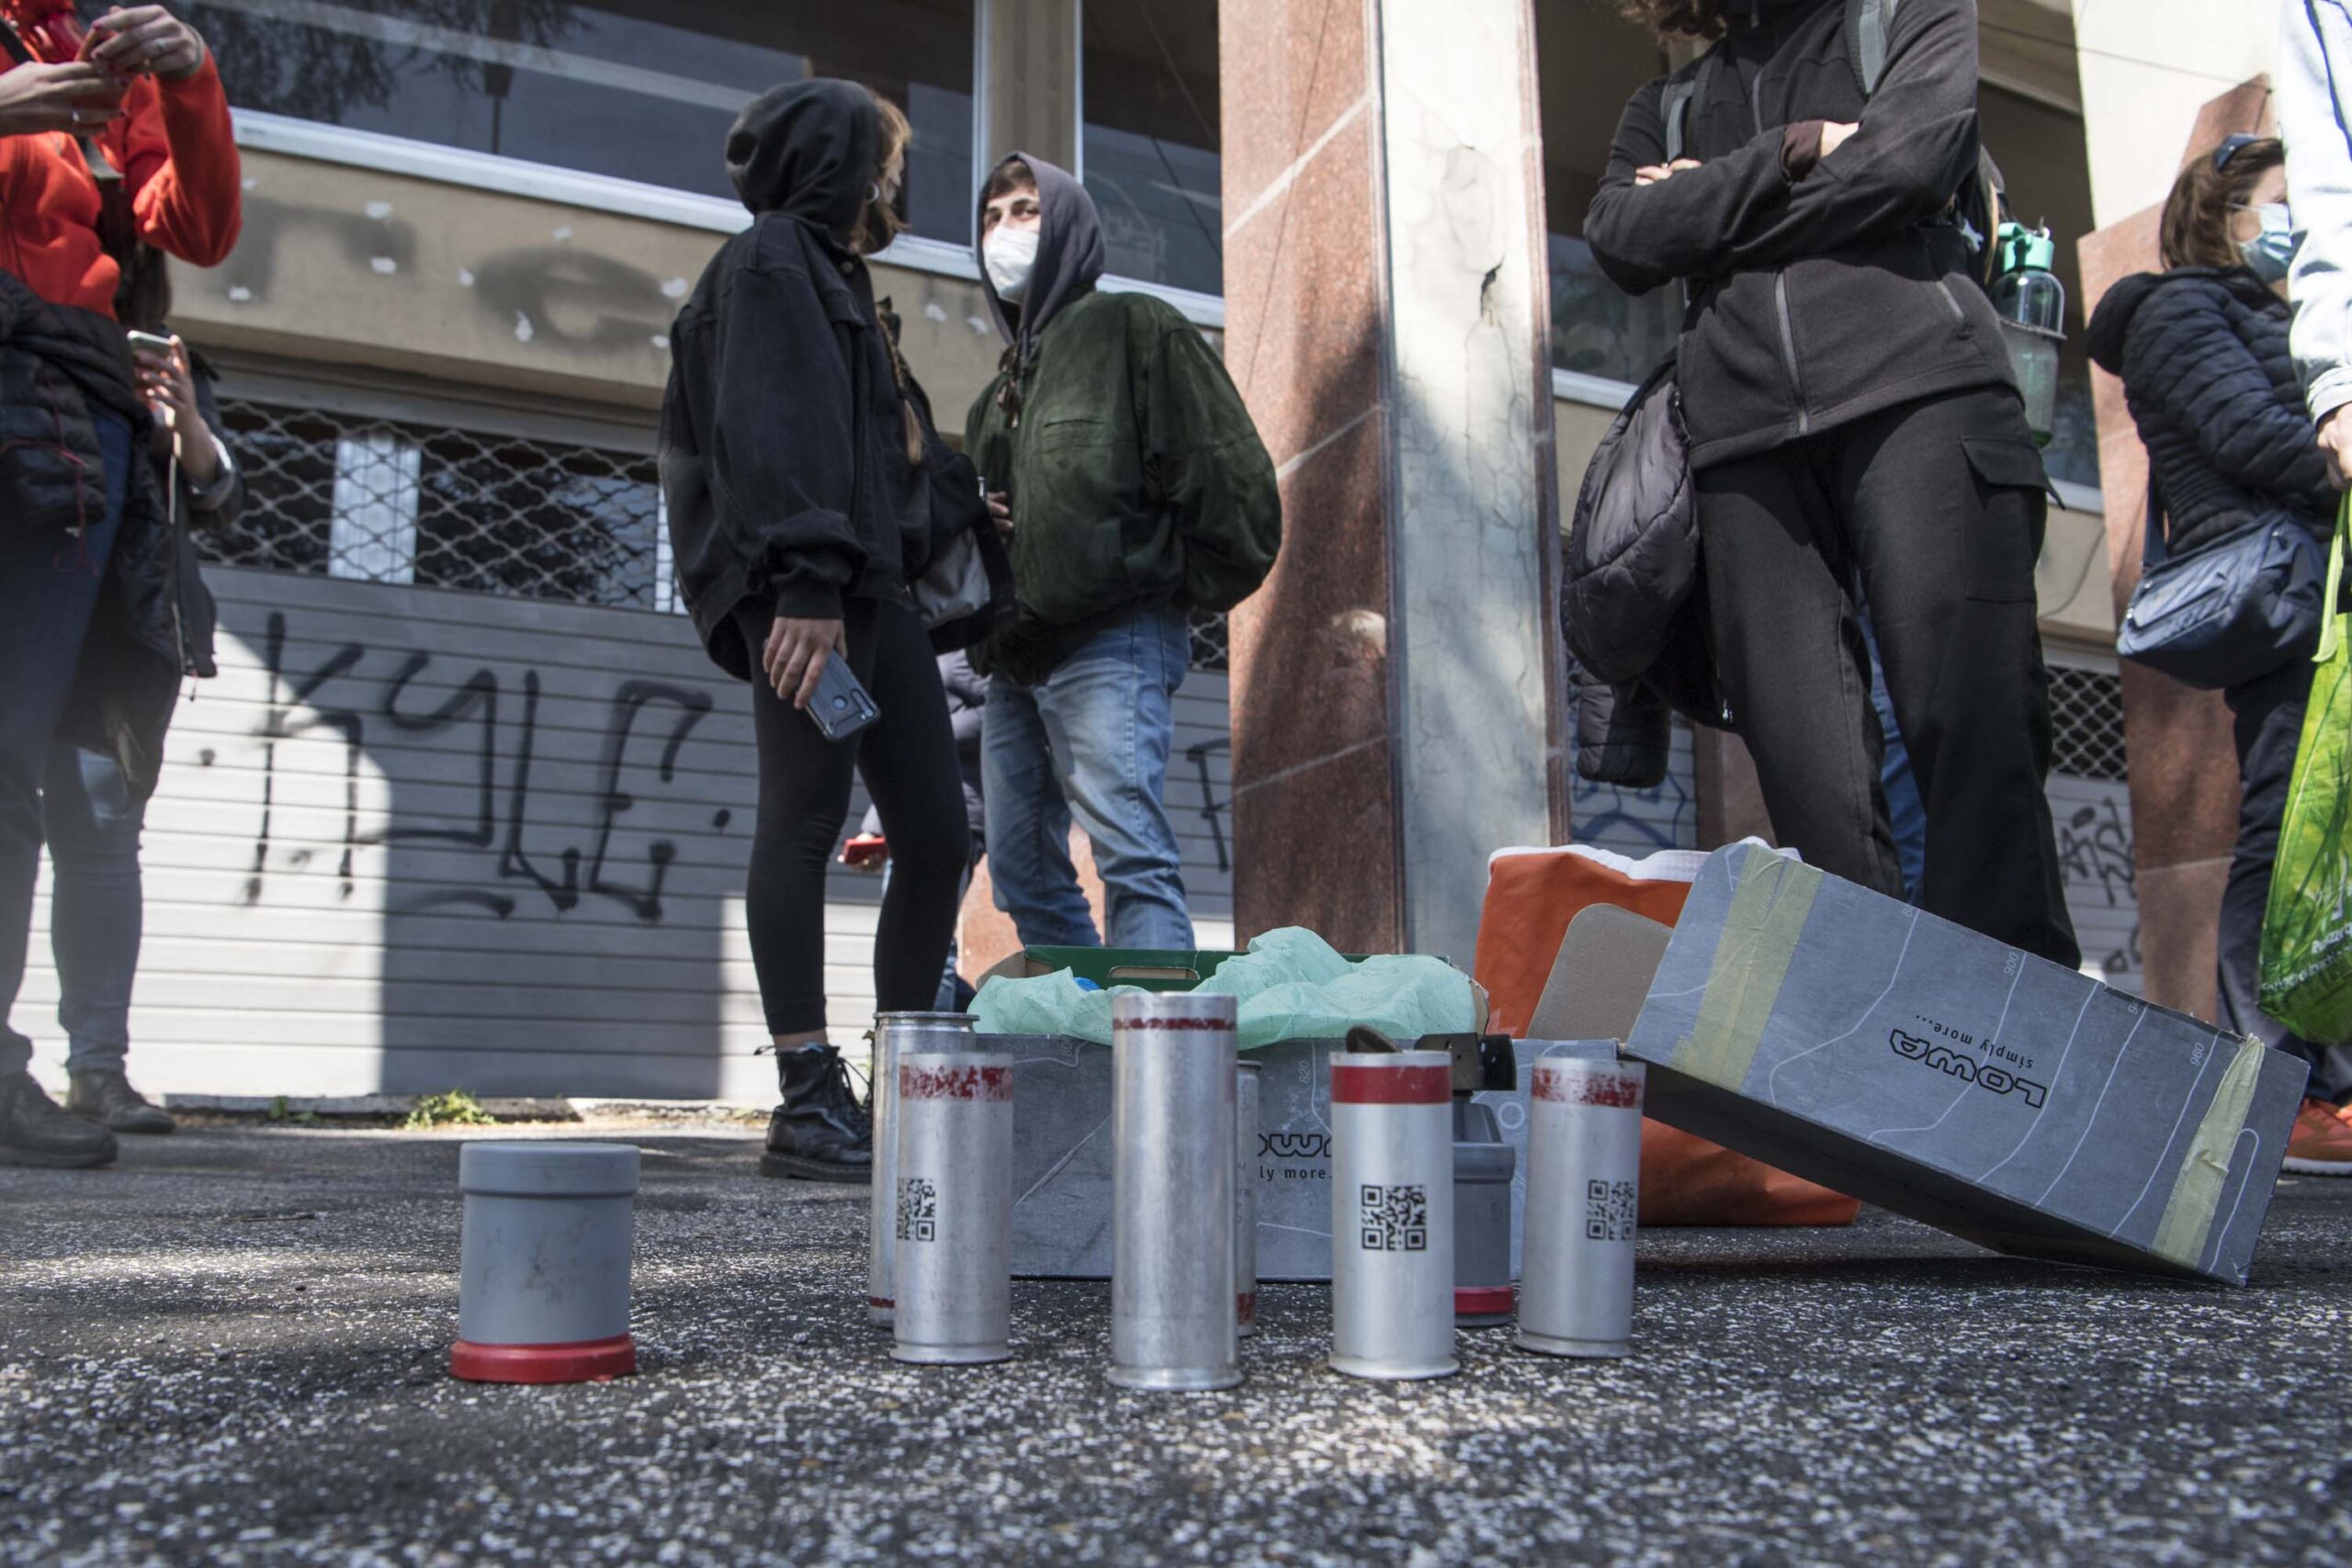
x: 58, y: 367
x: 2202, y: 353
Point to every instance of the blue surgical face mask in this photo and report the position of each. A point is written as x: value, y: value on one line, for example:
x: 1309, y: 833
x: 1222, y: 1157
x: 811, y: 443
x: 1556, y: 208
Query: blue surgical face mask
x: 2269, y: 251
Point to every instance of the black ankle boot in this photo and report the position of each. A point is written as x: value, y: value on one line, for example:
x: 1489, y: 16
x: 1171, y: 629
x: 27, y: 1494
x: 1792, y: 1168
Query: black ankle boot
x: 820, y: 1133
x: 105, y: 1096
x: 34, y: 1130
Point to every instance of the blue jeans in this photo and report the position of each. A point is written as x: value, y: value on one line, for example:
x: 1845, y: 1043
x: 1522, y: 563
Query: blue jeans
x: 1090, y: 742
x: 95, y: 906
x: 49, y: 588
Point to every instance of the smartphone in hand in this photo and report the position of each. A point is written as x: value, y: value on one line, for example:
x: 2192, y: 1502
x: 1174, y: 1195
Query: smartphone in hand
x: 841, y: 708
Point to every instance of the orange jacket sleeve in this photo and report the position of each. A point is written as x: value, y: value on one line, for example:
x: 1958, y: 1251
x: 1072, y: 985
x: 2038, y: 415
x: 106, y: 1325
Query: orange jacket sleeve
x: 177, y: 151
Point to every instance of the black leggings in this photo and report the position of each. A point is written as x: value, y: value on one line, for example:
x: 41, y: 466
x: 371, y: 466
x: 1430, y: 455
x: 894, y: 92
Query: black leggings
x: 908, y: 759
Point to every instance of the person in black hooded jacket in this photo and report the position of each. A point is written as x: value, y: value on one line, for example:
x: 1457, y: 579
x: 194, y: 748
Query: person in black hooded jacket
x: 791, y: 453
x: 1852, y: 416
x: 2202, y: 350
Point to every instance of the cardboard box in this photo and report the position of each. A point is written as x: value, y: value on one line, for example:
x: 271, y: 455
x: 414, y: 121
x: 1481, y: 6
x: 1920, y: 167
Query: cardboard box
x: 1062, y: 1154
x: 1916, y: 1065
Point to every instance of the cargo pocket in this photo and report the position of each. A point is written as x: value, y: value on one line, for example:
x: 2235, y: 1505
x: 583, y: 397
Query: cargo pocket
x: 2005, y: 536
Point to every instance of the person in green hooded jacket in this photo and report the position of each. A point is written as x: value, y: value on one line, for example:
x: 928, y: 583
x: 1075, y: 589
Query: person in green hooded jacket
x: 1121, y: 463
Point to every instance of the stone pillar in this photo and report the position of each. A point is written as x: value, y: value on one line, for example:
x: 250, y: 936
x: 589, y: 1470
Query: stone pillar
x: 2184, y: 771
x: 1029, y: 63
x: 1395, y: 686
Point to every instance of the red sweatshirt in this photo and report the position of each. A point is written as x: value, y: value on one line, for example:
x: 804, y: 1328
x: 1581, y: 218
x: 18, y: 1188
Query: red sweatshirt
x: 178, y: 154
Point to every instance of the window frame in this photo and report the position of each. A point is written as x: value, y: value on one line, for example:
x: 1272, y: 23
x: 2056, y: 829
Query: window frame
x: 287, y: 135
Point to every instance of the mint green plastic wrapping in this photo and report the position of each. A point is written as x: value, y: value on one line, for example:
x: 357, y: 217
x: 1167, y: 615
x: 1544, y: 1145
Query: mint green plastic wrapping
x: 1291, y: 985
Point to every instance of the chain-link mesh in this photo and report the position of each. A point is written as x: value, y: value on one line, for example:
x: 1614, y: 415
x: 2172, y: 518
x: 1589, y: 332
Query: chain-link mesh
x: 1208, y: 641
x: 387, y: 500
x: 2086, y: 721
x: 390, y: 502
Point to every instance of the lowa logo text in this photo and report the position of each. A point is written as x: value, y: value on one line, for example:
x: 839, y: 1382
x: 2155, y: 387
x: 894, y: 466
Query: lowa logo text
x: 1983, y: 1075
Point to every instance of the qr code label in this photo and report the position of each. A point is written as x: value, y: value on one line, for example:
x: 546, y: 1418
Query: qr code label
x: 1395, y: 1219
x: 918, y: 1210
x: 1609, y: 1208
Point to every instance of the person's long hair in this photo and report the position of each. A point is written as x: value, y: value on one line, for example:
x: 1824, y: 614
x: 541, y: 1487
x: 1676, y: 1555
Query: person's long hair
x: 2196, y: 228
x: 879, y: 222
x: 1693, y: 18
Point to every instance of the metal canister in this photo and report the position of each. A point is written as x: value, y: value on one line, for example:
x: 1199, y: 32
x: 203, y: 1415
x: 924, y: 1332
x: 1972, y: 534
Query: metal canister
x: 953, y: 1208
x: 1483, y: 1166
x: 1584, y: 1165
x: 1245, y: 1199
x: 1171, y: 1191
x: 896, y: 1034
x: 1392, y: 1214
x: 544, y: 1262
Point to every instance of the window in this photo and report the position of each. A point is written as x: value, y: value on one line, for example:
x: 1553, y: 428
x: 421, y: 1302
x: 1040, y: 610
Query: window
x: 640, y: 90
x: 1589, y: 61
x: 1149, y: 82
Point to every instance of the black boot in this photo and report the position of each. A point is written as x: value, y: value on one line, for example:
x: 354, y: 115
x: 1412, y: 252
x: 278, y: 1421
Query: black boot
x: 820, y: 1133
x: 34, y: 1130
x: 105, y: 1096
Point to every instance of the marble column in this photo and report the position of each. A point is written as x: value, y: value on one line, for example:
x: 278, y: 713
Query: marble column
x: 2184, y: 771
x: 1397, y: 698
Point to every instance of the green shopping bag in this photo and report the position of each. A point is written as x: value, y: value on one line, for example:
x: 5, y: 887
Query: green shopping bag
x: 2307, y: 927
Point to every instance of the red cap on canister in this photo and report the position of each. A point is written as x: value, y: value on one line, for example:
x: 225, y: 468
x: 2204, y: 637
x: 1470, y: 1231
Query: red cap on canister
x: 1396, y: 1080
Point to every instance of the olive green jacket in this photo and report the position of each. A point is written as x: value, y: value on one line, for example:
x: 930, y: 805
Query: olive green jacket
x: 1135, y: 475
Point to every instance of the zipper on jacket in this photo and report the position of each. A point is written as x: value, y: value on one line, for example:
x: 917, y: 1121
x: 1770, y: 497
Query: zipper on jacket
x: 1789, y: 351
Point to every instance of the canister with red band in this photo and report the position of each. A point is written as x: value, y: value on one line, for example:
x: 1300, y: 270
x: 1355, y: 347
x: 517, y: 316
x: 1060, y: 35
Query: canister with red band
x: 951, y: 1208
x: 896, y: 1034
x: 1584, y: 1162
x: 1392, y: 1214
x: 544, y: 1254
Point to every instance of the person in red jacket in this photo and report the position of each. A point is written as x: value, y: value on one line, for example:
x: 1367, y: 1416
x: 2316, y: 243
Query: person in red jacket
x: 108, y: 137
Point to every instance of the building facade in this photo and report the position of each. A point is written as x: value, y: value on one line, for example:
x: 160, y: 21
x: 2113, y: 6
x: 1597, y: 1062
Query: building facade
x: 467, y: 805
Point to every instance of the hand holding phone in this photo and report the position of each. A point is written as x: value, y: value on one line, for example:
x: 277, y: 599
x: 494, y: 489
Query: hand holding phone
x: 841, y: 708
x: 163, y: 378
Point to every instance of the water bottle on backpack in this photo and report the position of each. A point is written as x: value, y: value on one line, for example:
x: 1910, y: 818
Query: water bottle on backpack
x: 2031, y: 304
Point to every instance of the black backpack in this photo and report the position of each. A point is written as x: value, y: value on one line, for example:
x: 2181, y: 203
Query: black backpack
x: 1978, y: 207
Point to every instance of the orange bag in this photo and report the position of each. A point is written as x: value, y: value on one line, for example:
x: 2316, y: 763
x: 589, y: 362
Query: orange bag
x: 1531, y: 894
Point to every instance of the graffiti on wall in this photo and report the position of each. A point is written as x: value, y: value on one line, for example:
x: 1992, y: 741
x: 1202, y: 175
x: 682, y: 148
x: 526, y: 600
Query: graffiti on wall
x: 485, y: 731
x: 2095, y: 851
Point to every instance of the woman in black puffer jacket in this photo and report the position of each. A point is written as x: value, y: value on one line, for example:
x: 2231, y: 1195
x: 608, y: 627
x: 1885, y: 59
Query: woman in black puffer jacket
x: 2201, y: 349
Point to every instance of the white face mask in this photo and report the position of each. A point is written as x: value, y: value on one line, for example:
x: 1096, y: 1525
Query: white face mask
x: 1010, y: 257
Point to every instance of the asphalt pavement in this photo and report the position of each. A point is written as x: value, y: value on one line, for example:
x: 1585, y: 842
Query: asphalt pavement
x: 230, y: 1348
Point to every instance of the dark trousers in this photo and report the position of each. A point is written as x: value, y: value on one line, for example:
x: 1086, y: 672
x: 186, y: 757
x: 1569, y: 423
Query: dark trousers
x: 1933, y: 506
x: 908, y: 759
x: 2269, y: 726
x: 49, y: 590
